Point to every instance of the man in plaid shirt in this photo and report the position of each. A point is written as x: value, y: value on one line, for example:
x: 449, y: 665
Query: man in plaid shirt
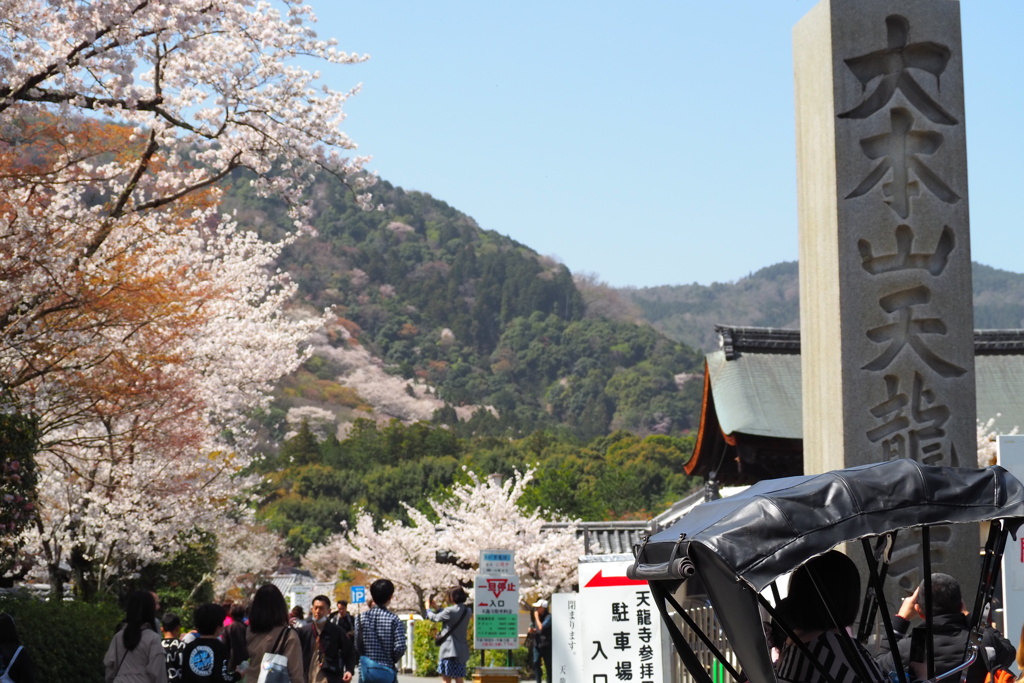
x: 379, y: 633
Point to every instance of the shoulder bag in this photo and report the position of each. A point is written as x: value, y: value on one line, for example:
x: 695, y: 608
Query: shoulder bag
x: 443, y: 635
x: 274, y: 667
x: 5, y: 677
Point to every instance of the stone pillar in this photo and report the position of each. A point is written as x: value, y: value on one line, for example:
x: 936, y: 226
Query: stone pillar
x: 885, y: 264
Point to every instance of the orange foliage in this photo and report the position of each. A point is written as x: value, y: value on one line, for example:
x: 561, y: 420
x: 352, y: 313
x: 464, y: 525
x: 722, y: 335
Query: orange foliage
x: 111, y: 330
x: 38, y: 148
x: 350, y: 327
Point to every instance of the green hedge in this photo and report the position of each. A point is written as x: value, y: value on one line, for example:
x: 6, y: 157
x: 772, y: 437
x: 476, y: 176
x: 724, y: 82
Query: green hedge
x: 426, y: 652
x: 67, y: 640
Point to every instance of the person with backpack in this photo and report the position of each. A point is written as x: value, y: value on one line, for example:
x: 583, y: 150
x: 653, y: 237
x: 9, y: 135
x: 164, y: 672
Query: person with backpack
x: 15, y: 662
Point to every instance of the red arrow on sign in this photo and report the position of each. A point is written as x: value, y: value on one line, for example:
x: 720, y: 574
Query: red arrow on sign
x: 599, y: 580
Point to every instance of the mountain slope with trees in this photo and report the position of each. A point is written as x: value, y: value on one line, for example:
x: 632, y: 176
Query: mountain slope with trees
x: 438, y: 319
x: 771, y: 298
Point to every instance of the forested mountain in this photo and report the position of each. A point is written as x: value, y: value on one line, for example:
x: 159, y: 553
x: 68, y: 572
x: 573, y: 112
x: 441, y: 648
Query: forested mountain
x: 771, y: 298
x: 438, y: 319
x: 451, y: 346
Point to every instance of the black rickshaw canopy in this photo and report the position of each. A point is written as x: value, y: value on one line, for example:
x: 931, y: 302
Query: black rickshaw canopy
x: 740, y: 545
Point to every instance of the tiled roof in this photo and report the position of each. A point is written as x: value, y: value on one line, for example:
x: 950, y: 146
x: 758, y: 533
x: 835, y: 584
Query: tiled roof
x: 618, y: 538
x: 736, y: 340
x: 754, y: 387
x: 608, y: 538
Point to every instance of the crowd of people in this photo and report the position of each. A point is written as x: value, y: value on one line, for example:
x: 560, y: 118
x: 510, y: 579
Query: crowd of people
x: 233, y: 644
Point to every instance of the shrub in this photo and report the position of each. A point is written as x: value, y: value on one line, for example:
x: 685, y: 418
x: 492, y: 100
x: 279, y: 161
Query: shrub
x: 424, y: 649
x: 426, y: 652
x: 67, y: 640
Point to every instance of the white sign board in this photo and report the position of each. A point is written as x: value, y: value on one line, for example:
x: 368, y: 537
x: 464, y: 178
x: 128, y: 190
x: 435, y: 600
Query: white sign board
x: 1011, y: 456
x: 622, y: 629
x: 497, y: 562
x: 496, y: 612
x: 566, y: 634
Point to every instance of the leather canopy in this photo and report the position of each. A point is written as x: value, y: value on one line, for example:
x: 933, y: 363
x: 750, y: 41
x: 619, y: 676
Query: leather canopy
x: 778, y: 524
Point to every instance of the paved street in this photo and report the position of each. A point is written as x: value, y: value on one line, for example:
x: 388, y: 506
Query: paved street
x: 408, y: 678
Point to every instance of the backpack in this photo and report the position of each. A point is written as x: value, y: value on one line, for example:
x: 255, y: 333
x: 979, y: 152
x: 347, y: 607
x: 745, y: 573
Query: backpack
x: 5, y: 676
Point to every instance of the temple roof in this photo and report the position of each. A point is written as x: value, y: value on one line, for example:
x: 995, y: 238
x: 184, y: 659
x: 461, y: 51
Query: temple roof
x: 751, y: 423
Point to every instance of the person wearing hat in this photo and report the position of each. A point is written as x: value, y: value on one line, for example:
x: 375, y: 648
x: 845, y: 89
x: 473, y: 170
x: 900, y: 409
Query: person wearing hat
x: 542, y: 639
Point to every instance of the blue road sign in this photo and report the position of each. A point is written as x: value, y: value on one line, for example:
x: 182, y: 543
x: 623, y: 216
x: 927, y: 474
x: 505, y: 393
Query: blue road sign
x: 358, y: 595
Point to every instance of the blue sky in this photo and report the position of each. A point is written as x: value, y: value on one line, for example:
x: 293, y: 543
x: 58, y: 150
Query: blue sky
x: 649, y: 143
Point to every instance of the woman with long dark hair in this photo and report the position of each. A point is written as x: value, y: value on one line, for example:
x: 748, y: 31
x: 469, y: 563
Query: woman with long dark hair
x: 14, y: 658
x: 136, y: 654
x: 268, y: 631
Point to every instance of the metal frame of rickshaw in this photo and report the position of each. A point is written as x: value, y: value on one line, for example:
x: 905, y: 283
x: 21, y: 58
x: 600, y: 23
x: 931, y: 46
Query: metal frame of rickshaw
x: 877, y: 559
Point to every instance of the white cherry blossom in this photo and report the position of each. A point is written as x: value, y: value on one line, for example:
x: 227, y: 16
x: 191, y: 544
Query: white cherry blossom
x: 139, y: 324
x: 479, y: 515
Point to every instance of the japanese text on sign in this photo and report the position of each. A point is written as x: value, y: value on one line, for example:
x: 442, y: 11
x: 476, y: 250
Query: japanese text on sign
x: 621, y: 635
x: 496, y: 609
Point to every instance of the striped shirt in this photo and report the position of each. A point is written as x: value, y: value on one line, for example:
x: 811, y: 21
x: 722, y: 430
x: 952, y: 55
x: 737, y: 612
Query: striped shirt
x: 380, y: 636
x: 794, y: 667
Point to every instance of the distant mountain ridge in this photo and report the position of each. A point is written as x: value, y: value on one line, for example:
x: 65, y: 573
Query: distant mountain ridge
x: 770, y: 297
x: 437, y: 319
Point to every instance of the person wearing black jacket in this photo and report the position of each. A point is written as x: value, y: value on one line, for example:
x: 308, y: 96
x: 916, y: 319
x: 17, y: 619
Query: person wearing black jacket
x: 234, y: 636
x: 327, y: 652
x: 950, y: 632
x: 344, y: 619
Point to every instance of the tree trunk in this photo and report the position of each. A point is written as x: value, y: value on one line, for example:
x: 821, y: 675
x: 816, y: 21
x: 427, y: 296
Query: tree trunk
x: 83, y: 577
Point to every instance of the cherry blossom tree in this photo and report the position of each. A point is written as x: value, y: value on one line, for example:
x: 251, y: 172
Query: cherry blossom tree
x: 116, y: 121
x: 988, y: 451
x: 401, y: 552
x: 205, y: 87
x: 137, y: 325
x: 485, y: 513
x: 247, y: 554
x: 477, y: 515
x: 146, y: 458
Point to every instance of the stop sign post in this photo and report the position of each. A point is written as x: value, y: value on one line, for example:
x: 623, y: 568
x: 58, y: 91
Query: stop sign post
x: 496, y: 602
